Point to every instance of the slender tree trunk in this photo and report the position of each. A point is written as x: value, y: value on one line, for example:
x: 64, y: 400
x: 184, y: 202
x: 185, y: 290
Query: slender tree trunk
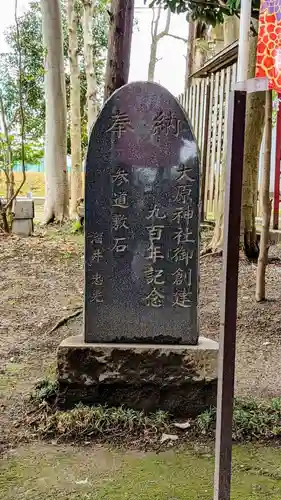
x: 56, y: 202
x: 75, y: 113
x: 119, y: 45
x: 3, y: 216
x: 10, y: 180
x: 230, y: 29
x: 189, y: 54
x: 152, y: 61
x: 155, y: 38
x: 266, y: 203
x: 12, y: 193
x: 255, y: 113
x: 89, y: 62
x: 253, y: 139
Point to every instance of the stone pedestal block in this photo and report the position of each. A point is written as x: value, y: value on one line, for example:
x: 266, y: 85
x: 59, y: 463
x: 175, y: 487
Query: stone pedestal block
x: 22, y: 227
x: 180, y: 379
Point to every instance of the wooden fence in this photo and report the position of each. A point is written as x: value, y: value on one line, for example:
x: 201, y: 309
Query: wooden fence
x: 206, y: 103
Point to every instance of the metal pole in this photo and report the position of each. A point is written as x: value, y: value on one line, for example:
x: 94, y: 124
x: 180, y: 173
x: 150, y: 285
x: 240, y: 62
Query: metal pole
x: 226, y: 369
x: 277, y: 168
x: 243, y: 49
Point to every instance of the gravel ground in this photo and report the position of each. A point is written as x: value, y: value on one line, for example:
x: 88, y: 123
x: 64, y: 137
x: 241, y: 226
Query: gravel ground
x: 42, y: 281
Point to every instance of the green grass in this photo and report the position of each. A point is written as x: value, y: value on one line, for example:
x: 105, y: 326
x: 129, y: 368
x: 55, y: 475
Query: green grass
x: 43, y: 472
x: 35, y: 182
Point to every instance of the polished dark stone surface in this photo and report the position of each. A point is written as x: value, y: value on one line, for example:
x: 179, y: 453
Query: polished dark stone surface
x: 141, y: 221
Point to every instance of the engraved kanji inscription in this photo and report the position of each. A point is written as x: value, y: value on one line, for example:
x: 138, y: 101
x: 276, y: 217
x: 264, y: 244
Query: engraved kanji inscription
x: 167, y: 123
x: 120, y: 177
x: 181, y: 277
x: 120, y: 245
x: 183, y: 236
x: 120, y: 200
x: 142, y: 220
x: 154, y: 276
x: 98, y: 279
x: 154, y: 253
x: 97, y: 255
x: 155, y: 213
x: 181, y: 254
x: 155, y: 233
x: 119, y: 221
x: 120, y: 123
x: 183, y: 214
x: 184, y: 173
x: 155, y: 298
x: 96, y: 238
x: 181, y: 298
x: 183, y: 194
x: 97, y: 296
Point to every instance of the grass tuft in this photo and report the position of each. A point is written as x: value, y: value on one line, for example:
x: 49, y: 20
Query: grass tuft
x: 84, y: 422
x: 44, y: 390
x: 252, y: 420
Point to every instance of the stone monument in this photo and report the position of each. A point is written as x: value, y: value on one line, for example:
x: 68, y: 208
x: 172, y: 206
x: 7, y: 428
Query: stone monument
x: 141, y: 343
x: 23, y: 215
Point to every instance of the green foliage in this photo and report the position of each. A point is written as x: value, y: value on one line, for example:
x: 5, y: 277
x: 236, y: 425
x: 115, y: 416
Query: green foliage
x: 33, y: 150
x: 31, y: 41
x: 44, y: 390
x: 206, y: 421
x: 32, y: 74
x: 210, y: 11
x: 252, y: 419
x: 76, y: 227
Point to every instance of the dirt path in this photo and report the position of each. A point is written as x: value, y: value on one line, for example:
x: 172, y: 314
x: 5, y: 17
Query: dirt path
x: 42, y: 280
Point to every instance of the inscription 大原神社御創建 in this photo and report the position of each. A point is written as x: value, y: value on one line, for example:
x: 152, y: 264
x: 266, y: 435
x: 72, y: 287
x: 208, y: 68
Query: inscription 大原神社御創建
x: 142, y: 196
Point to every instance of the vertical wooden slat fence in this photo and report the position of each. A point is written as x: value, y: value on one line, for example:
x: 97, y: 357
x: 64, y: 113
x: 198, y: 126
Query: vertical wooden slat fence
x: 210, y: 129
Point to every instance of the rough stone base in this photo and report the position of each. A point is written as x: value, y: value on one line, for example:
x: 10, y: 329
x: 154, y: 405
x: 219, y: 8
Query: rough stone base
x: 179, y: 379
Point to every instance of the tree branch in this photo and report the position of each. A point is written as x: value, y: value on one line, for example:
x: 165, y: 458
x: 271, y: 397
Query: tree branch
x: 156, y: 23
x: 177, y: 37
x: 167, y: 27
x: 152, y: 22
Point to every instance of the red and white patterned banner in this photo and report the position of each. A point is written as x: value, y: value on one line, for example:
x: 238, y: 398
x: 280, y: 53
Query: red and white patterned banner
x: 269, y: 43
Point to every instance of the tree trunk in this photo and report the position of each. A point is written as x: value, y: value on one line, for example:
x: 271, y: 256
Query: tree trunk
x: 152, y: 61
x: 3, y: 215
x: 56, y: 202
x: 266, y: 203
x: 119, y: 45
x: 254, y: 127
x: 230, y: 29
x: 253, y: 137
x: 155, y: 37
x: 10, y: 178
x: 189, y: 54
x: 89, y: 62
x: 75, y: 113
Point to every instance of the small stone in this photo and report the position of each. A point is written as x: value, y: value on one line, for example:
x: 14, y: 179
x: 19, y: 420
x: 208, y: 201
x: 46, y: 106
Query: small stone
x: 183, y: 425
x: 168, y: 437
x: 83, y: 481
